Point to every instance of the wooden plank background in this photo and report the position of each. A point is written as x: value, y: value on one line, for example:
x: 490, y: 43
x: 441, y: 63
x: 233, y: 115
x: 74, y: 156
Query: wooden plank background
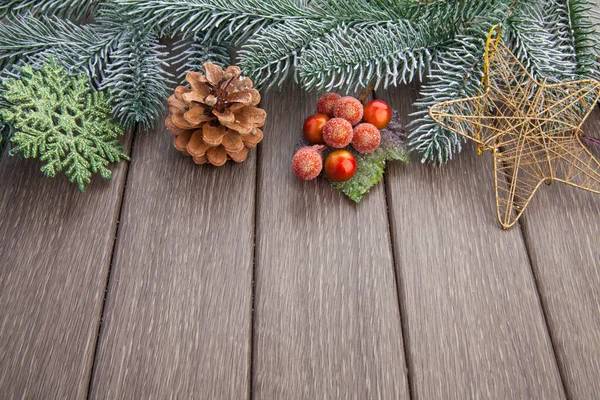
x: 177, y: 317
x: 562, y: 232
x: 474, y: 326
x: 327, y: 322
x: 55, y: 250
x: 414, y: 293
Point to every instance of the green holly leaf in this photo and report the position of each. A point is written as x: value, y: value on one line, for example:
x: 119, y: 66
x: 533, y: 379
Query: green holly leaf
x: 370, y: 167
x: 60, y: 120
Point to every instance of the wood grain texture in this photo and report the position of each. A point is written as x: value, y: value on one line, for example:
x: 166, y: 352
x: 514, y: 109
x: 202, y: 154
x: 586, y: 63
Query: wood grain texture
x: 473, y: 323
x: 326, y: 321
x: 562, y: 230
x: 55, y: 251
x: 177, y: 316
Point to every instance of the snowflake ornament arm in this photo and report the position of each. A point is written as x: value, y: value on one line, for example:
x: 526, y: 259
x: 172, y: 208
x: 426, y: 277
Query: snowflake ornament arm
x: 61, y: 121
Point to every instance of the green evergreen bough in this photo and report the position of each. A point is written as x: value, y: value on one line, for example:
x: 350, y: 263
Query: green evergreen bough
x: 59, y: 120
x: 325, y: 44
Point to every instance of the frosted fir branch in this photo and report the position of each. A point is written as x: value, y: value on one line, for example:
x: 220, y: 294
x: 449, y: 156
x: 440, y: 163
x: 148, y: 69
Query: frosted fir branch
x: 136, y: 78
x: 273, y: 33
x: 191, y: 54
x: 353, y: 11
x: 231, y: 20
x: 77, y: 48
x: 572, y: 23
x: 70, y: 9
x: 27, y: 35
x: 535, y: 45
x: 270, y: 56
x: 455, y: 74
x: 350, y: 57
x: 114, y: 54
x: 586, y: 41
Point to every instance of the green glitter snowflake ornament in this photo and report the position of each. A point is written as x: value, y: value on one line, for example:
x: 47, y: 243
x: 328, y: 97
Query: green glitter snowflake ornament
x: 63, y: 122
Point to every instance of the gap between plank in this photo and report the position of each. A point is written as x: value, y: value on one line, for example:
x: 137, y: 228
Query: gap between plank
x: 253, y: 276
x: 403, y: 328
x: 110, y: 265
x: 408, y: 366
x: 523, y: 229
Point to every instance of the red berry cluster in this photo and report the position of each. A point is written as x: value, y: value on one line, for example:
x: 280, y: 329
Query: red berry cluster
x: 341, y: 121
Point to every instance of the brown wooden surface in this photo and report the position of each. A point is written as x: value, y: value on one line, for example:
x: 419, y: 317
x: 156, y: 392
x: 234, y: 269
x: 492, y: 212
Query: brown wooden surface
x: 177, y: 317
x: 326, y: 322
x: 562, y: 230
x: 473, y: 323
x: 55, y: 250
x: 178, y: 321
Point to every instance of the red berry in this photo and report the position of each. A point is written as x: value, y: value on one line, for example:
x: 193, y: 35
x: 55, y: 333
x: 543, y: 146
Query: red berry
x: 326, y: 102
x: 349, y: 108
x: 378, y: 113
x: 337, y: 133
x: 313, y: 128
x: 307, y: 163
x: 340, y: 166
x: 366, y: 138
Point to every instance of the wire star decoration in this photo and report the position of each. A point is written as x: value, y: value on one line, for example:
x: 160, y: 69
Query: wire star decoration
x: 533, y: 129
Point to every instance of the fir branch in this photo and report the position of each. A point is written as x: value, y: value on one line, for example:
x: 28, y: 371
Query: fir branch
x: 456, y: 74
x: 192, y: 53
x: 275, y: 33
x: 585, y: 37
x: 535, y: 45
x: 119, y: 57
x: 230, y: 20
x: 354, y: 11
x: 350, y: 57
x: 80, y: 49
x: 25, y: 36
x: 71, y: 9
x: 575, y: 36
x: 136, y: 79
x: 271, y: 55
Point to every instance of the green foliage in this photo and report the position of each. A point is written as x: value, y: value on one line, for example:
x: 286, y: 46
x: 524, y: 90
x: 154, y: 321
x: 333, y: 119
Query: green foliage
x: 578, y: 34
x: 325, y: 44
x: 25, y: 36
x: 59, y: 120
x: 455, y: 74
x: 370, y: 167
x: 192, y: 53
x: 124, y: 59
x: 135, y: 78
x: 543, y: 35
x: 231, y: 20
x: 72, y: 9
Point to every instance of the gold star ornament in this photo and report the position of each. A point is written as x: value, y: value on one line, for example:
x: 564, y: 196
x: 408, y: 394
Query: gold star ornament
x: 533, y: 129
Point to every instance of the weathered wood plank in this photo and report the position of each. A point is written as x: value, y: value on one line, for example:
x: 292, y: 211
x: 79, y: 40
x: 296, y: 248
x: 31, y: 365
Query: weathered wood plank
x: 562, y: 229
x: 55, y: 250
x: 326, y: 314
x: 177, y: 316
x: 474, y: 327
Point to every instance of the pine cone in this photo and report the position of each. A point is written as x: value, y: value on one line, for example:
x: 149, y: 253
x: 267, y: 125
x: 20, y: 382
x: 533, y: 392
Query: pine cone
x: 216, y: 119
